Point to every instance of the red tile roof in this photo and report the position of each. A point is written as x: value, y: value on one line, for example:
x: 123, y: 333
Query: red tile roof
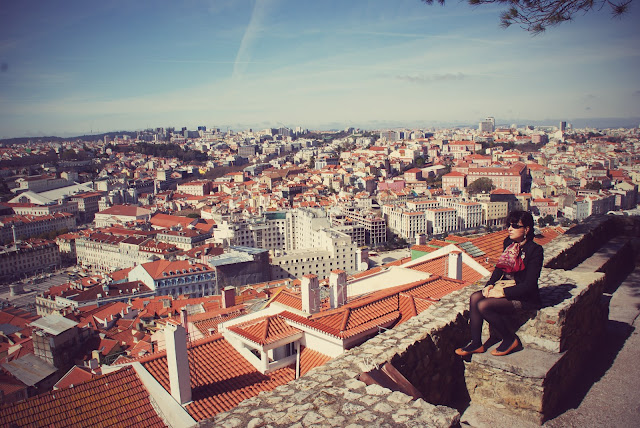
x: 164, y: 268
x: 264, y: 330
x: 437, y: 266
x: 377, y: 309
x: 114, y: 399
x: 166, y: 220
x: 126, y: 210
x: 287, y: 298
x: 207, y: 322
x: 75, y: 376
x: 221, y: 378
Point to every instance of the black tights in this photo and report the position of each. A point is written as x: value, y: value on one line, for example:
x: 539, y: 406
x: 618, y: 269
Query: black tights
x: 494, y: 311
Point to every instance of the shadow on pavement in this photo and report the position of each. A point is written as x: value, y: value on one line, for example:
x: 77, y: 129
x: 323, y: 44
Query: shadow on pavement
x: 598, y: 362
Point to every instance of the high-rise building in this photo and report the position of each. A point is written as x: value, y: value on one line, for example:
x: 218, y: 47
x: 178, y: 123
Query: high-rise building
x: 487, y: 125
x: 563, y: 126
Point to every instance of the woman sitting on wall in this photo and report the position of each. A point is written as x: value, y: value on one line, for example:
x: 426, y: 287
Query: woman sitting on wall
x: 512, y: 286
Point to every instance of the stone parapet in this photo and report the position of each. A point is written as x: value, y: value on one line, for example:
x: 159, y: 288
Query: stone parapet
x: 531, y: 383
x: 331, y: 395
x: 563, y: 320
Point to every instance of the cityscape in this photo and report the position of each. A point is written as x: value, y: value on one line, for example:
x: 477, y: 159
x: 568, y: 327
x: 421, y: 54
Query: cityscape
x: 269, y: 247
x: 275, y: 213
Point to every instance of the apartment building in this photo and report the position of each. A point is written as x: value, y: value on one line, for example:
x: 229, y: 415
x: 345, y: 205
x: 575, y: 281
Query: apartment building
x: 268, y: 232
x: 494, y: 213
x: 469, y: 214
x: 197, y: 188
x: 106, y: 252
x: 374, y: 226
x: 545, y: 207
x: 452, y: 181
x: 88, y: 205
x: 332, y: 250
x: 314, y: 247
x: 578, y: 211
x: 27, y: 258
x: 121, y: 214
x: 28, y: 226
x: 176, y: 278
x: 441, y: 220
x: 508, y: 178
x: 404, y: 222
x: 348, y: 226
x: 422, y: 204
x: 184, y: 239
x: 600, y: 204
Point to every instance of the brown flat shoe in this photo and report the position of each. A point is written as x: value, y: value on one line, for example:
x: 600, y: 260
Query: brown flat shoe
x: 511, y: 348
x: 463, y: 353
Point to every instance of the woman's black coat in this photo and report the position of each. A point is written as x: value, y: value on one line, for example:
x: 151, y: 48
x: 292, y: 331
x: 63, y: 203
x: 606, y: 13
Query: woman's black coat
x: 526, y: 288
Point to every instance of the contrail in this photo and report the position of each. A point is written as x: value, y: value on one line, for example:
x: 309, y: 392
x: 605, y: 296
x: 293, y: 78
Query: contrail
x: 243, y: 57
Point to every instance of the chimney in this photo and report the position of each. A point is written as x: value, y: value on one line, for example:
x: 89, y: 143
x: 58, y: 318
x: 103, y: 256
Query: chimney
x: 338, y: 286
x: 310, y: 294
x: 454, y: 270
x: 228, y: 297
x: 183, y: 319
x: 178, y: 362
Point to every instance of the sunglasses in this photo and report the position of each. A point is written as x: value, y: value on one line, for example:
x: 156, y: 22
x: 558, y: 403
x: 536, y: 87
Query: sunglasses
x: 514, y: 226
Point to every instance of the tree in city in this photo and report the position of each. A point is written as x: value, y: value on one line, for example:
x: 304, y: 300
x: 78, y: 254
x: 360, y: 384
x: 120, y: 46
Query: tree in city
x: 535, y: 16
x: 481, y: 185
x: 593, y: 185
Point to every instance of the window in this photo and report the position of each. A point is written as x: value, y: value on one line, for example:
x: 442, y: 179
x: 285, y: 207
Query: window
x: 290, y: 349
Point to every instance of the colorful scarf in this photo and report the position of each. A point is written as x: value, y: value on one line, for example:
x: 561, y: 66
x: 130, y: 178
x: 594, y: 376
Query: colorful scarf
x: 511, y: 260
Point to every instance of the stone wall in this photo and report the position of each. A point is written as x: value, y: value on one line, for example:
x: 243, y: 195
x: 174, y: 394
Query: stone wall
x: 422, y: 348
x: 332, y: 395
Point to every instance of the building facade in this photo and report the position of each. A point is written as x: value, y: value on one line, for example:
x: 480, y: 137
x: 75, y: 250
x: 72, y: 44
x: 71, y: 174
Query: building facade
x: 27, y: 258
x: 176, y: 278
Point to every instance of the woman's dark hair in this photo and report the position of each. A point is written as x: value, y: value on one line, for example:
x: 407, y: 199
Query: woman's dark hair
x: 525, y: 218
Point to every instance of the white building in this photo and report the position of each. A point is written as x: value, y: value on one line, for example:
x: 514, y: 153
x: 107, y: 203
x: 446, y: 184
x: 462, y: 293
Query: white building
x: 176, y: 278
x: 494, y: 213
x: 469, y: 214
x: 28, y: 226
x: 121, y: 214
x: 106, y: 252
x: 313, y: 247
x: 579, y: 210
x: 441, y: 220
x: 404, y: 222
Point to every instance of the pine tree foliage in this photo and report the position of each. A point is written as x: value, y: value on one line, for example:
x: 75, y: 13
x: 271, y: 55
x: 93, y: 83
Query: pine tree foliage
x: 536, y: 16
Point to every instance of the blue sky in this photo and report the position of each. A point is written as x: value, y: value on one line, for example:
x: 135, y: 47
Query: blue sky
x: 73, y: 67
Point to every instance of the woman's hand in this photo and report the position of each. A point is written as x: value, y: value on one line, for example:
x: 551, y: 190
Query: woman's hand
x: 486, y: 290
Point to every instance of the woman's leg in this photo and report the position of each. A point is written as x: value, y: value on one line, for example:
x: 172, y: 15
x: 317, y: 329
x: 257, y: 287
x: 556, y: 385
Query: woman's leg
x: 476, y: 318
x: 495, y: 312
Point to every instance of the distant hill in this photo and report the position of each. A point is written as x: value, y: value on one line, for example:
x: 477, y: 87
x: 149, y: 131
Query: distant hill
x: 95, y: 137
